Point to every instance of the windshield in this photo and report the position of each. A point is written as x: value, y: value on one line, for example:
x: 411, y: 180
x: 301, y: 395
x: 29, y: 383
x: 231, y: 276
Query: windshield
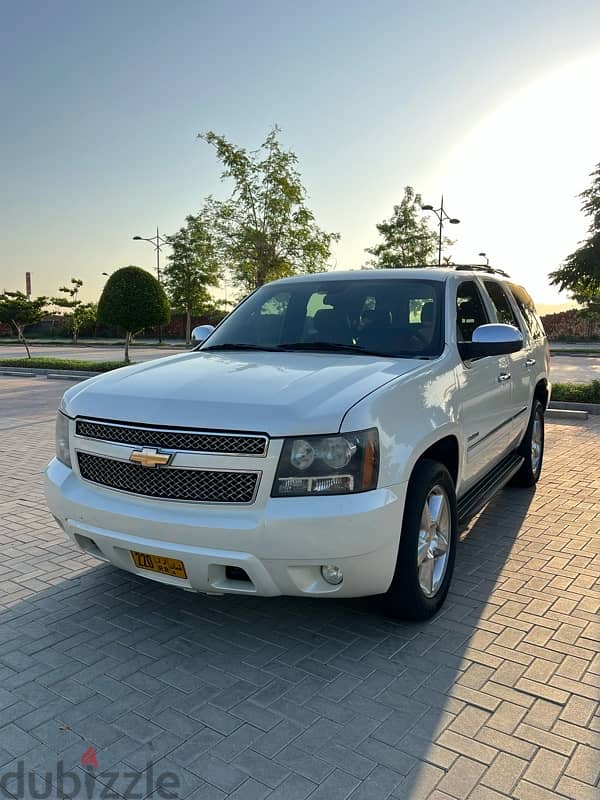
x: 395, y: 317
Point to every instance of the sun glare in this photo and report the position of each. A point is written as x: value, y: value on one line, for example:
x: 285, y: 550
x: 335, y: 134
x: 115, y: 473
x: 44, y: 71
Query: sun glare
x: 514, y: 178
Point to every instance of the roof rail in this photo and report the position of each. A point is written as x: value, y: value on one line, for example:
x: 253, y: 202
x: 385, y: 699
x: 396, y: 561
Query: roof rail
x: 466, y: 267
x: 480, y: 268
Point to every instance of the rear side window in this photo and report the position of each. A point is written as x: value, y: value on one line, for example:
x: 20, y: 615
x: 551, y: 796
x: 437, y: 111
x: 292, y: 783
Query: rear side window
x: 528, y: 312
x: 470, y: 311
x: 501, y: 303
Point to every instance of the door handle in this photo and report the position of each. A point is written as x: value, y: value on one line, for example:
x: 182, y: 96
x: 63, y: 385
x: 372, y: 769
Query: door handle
x: 529, y: 362
x: 503, y: 377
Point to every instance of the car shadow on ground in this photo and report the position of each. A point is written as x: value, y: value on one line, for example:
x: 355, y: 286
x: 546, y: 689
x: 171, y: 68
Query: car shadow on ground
x: 329, y: 691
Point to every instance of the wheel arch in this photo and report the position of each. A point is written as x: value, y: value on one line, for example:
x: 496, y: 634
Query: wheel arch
x: 445, y: 450
x: 542, y: 391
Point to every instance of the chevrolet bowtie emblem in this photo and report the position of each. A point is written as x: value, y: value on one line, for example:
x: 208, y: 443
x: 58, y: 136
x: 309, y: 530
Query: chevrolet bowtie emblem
x: 148, y: 457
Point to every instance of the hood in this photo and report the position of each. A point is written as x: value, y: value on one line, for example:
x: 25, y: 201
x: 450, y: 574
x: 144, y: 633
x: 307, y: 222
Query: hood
x: 281, y: 394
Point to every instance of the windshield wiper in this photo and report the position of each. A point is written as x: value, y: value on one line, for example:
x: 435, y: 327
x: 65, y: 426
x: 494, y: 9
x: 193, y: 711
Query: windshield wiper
x: 323, y: 347
x: 333, y: 347
x: 238, y: 346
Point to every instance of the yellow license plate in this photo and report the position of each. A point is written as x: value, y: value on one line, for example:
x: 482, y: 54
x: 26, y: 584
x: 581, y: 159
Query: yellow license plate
x: 166, y: 566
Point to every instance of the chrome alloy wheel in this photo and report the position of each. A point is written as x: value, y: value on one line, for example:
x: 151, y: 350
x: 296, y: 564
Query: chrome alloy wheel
x: 537, y: 441
x: 434, y: 541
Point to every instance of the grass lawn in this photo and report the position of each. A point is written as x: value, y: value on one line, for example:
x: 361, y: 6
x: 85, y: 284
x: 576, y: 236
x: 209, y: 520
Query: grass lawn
x: 576, y: 392
x: 37, y: 362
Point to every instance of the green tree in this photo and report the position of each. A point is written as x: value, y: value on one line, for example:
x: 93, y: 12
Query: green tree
x: 408, y: 240
x: 71, y: 292
x: 19, y: 310
x: 83, y: 314
x: 580, y: 272
x: 191, y: 269
x: 265, y: 230
x: 70, y: 300
x: 133, y: 299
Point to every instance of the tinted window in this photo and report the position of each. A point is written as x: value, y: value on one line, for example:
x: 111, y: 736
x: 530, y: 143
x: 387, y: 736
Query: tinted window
x: 527, y: 309
x: 399, y: 317
x: 270, y: 317
x: 470, y: 311
x: 501, y: 303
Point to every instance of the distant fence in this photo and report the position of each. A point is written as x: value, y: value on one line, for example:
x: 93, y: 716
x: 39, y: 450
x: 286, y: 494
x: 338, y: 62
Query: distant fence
x: 570, y: 324
x: 54, y: 327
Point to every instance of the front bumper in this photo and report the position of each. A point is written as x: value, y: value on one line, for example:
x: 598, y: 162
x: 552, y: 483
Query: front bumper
x: 280, y: 544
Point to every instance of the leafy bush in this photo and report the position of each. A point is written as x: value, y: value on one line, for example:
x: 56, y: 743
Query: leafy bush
x: 576, y: 392
x: 133, y: 300
x: 37, y: 362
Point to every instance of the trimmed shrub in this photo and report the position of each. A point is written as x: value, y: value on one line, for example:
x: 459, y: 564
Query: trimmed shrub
x: 133, y: 300
x: 576, y: 392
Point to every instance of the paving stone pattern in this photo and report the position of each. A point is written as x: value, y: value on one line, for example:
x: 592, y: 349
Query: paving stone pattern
x: 287, y: 699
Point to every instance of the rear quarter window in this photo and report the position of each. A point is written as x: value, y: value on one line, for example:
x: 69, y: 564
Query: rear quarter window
x: 501, y: 303
x: 528, y: 311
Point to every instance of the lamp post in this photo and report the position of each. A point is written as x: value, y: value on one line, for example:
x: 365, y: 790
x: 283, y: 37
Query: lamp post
x: 487, y: 261
x: 442, y: 217
x: 158, y: 242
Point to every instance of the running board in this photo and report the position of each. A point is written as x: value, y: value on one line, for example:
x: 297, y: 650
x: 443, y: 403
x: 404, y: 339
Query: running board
x: 483, y: 491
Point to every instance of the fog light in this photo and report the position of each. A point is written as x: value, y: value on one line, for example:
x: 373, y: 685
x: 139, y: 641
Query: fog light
x: 331, y: 574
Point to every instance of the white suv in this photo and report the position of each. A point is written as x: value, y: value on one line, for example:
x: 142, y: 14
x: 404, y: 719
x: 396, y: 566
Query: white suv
x: 326, y: 440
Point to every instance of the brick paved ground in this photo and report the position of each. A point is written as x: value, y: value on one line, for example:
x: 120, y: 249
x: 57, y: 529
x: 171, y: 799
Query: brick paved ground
x: 287, y: 699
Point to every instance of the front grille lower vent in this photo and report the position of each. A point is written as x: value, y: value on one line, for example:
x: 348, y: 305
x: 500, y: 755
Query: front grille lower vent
x: 193, y: 485
x: 193, y: 441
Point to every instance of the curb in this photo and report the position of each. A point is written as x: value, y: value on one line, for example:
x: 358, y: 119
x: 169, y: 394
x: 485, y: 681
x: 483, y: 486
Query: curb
x: 561, y: 405
x: 578, y: 354
x: 37, y: 372
x: 566, y: 413
x: 57, y: 376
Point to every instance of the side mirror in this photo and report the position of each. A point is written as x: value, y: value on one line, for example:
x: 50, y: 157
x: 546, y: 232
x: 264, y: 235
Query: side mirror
x: 201, y: 333
x: 491, y: 340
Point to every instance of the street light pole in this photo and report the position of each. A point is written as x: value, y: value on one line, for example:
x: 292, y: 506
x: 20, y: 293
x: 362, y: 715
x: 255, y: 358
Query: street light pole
x: 440, y: 234
x: 487, y: 261
x: 157, y: 255
x: 157, y: 242
x: 442, y: 217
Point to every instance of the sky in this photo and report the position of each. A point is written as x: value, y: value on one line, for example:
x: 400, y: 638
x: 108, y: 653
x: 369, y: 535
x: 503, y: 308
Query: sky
x: 492, y: 104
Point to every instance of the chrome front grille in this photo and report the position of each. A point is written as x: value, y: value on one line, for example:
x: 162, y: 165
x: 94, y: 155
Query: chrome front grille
x: 193, y: 441
x: 193, y: 485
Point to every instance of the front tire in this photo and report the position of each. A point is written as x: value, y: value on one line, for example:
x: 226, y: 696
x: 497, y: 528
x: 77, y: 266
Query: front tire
x: 532, y: 449
x: 427, y: 544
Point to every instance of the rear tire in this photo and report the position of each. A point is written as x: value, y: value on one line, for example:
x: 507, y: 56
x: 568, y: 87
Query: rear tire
x: 532, y: 449
x: 428, y: 542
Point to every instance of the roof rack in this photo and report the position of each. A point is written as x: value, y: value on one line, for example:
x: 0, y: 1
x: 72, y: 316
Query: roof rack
x: 480, y: 268
x: 458, y: 267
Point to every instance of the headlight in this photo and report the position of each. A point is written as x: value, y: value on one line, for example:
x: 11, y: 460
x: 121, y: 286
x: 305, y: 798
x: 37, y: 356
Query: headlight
x: 340, y: 464
x: 63, y: 452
